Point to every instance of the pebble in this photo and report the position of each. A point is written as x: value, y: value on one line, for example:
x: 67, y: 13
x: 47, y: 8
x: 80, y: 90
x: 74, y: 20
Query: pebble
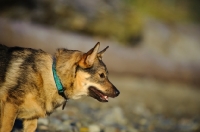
x: 94, y: 128
x: 43, y: 121
x: 113, y: 116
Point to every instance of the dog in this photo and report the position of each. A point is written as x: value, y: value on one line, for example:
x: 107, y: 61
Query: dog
x: 34, y: 83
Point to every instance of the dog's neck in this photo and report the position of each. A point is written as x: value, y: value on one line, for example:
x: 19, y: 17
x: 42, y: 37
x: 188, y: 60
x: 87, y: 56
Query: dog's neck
x: 58, y: 83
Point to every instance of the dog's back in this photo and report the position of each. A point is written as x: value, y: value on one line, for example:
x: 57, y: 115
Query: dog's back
x: 4, y: 60
x: 18, y: 67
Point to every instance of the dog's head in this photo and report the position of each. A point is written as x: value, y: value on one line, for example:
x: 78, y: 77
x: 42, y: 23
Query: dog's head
x: 91, y: 77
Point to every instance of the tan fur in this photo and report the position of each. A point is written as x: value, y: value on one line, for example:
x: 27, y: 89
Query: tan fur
x: 81, y: 88
x: 11, y: 77
x: 28, y: 90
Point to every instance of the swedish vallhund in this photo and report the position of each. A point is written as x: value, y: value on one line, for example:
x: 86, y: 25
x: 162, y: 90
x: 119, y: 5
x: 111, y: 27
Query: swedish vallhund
x: 33, y: 83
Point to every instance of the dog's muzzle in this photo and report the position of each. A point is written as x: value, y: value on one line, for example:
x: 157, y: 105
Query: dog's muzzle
x: 102, y: 96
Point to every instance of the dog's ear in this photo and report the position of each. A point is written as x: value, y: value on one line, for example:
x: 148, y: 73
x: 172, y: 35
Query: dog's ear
x: 88, y: 58
x: 100, y: 54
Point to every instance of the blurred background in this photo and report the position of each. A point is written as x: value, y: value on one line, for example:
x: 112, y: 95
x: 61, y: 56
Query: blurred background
x: 153, y: 59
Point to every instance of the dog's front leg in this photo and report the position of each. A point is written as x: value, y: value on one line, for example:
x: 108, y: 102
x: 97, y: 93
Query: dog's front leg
x: 8, y: 116
x: 30, y: 125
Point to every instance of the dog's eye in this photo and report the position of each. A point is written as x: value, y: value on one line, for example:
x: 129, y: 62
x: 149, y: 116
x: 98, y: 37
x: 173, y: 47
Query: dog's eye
x: 102, y: 75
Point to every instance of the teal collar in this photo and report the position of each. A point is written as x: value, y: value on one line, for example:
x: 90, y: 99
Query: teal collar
x: 59, y: 85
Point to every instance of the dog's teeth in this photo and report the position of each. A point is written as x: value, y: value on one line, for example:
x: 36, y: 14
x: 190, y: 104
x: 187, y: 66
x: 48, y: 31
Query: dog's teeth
x: 106, y: 97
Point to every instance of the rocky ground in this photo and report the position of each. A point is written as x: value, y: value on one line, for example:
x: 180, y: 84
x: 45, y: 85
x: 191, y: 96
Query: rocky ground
x: 144, y: 105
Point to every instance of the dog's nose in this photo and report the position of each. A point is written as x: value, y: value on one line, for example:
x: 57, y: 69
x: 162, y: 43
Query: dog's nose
x: 117, y: 92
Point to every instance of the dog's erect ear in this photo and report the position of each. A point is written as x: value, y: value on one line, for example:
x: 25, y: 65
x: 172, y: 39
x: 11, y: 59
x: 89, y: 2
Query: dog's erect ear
x: 100, y: 54
x: 88, y: 58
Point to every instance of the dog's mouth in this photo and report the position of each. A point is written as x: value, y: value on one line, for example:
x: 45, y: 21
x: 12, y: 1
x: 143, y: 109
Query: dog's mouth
x: 97, y: 94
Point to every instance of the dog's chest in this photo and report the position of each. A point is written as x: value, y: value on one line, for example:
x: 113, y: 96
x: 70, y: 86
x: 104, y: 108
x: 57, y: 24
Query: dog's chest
x: 31, y: 108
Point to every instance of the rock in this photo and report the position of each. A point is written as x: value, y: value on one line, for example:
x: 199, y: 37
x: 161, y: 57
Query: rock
x: 140, y: 109
x: 84, y: 129
x: 43, y: 128
x: 94, y: 128
x: 110, y: 129
x: 113, y: 116
x: 43, y: 121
